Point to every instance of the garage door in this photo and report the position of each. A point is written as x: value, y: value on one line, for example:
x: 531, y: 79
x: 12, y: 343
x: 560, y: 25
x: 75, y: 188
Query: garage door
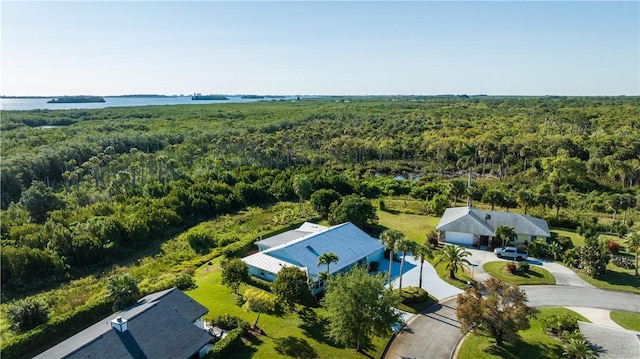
x: 459, y: 238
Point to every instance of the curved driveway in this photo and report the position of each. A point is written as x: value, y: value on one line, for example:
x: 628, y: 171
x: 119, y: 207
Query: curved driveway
x: 436, y: 332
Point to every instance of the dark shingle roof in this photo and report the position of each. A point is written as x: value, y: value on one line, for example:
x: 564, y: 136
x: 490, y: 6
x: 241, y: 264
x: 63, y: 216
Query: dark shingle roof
x: 160, y: 325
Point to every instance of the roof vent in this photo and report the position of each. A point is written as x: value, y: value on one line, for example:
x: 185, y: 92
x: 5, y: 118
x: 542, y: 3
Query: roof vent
x: 119, y: 324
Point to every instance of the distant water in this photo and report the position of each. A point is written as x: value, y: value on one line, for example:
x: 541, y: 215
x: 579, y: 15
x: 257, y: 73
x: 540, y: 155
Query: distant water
x: 23, y: 104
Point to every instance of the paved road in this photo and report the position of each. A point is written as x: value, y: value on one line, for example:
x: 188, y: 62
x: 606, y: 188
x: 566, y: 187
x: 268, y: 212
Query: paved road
x: 552, y: 295
x: 436, y: 333
x: 433, y: 334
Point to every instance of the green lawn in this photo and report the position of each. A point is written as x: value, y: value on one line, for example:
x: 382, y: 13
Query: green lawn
x: 535, y: 274
x: 626, y: 320
x: 413, y: 226
x: 576, y: 239
x: 533, y: 344
x: 616, y: 278
x: 297, y: 335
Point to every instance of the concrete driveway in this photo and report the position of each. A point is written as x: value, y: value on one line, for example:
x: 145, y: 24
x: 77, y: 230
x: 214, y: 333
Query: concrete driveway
x: 436, y: 333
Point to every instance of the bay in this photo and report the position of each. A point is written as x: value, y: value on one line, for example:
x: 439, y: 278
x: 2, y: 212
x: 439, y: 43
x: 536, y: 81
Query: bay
x: 25, y: 104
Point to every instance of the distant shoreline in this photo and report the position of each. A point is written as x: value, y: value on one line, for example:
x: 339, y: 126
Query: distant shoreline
x: 77, y: 99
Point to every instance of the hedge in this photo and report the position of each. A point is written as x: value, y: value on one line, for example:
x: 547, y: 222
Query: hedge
x: 225, y: 346
x: 56, y: 330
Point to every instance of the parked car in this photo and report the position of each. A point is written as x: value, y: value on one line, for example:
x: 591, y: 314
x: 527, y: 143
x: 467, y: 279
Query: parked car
x: 510, y: 252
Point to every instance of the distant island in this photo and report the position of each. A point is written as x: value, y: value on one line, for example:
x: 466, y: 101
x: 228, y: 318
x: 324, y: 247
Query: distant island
x: 197, y: 97
x: 146, y: 96
x: 77, y: 99
x: 252, y: 97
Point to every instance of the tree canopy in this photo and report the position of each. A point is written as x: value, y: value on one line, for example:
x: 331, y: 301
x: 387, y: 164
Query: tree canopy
x: 291, y: 286
x: 495, y: 308
x: 360, y: 305
x: 234, y: 273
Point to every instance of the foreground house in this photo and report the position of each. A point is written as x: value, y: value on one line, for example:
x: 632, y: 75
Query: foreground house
x: 472, y: 226
x: 166, y: 324
x: 301, y: 248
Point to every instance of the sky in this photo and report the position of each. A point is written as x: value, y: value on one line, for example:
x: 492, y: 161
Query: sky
x: 320, y: 48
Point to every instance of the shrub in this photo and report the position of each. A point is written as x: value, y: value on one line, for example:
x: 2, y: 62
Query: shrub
x: 558, y: 324
x: 614, y: 247
x: 511, y: 267
x: 570, y: 258
x: 537, y: 249
x: 229, y: 322
x: 414, y: 295
x: 373, y: 266
x: 184, y: 281
x: 28, y: 313
x: 201, y: 241
x: 523, y: 266
x: 565, y: 242
x: 623, y: 262
x: 226, y: 345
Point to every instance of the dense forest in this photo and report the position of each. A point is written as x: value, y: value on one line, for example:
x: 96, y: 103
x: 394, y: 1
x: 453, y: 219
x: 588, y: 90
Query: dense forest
x: 82, y: 189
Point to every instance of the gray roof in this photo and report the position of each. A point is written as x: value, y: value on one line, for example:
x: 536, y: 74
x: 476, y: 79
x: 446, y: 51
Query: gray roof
x: 484, y: 223
x: 305, y: 229
x: 160, y: 325
x: 346, y: 240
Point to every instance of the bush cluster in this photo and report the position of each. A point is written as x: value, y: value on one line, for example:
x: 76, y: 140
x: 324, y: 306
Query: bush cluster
x: 414, y: 295
x: 558, y: 324
x: 514, y: 268
x: 623, y: 262
x: 229, y: 322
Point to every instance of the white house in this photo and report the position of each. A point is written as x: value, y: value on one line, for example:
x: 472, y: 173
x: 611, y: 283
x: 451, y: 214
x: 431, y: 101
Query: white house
x: 302, y: 247
x: 469, y: 226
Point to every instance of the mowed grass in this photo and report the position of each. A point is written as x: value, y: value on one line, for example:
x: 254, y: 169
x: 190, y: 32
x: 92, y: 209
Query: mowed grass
x: 576, y: 239
x: 616, y: 278
x: 627, y: 320
x: 535, y: 274
x: 300, y: 334
x: 533, y: 344
x: 413, y: 226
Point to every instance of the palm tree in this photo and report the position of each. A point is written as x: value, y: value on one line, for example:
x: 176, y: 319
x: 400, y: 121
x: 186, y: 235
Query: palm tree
x: 503, y: 232
x: 454, y: 258
x: 578, y: 348
x: 405, y: 245
x: 390, y: 237
x: 328, y: 258
x: 124, y: 291
x: 421, y: 253
x: 632, y: 240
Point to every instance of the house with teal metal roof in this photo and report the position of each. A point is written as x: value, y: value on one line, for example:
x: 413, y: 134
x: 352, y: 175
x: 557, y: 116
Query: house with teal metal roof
x: 348, y: 242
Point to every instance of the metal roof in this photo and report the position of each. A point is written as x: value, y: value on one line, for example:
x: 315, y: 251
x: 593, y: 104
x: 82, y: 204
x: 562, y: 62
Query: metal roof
x: 346, y: 240
x: 305, y: 229
x: 484, y: 223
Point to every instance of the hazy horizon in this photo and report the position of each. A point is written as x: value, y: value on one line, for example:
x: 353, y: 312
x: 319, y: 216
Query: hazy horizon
x: 305, y: 48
